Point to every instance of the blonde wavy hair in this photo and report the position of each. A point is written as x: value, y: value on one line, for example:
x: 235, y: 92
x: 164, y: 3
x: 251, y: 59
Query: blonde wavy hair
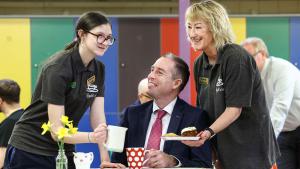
x: 215, y: 15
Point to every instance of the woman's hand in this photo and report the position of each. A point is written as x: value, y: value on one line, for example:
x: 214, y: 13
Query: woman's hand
x: 204, y: 135
x: 100, y: 134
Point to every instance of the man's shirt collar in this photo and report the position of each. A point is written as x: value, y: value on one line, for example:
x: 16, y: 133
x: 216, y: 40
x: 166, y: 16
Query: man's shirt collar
x: 169, y: 108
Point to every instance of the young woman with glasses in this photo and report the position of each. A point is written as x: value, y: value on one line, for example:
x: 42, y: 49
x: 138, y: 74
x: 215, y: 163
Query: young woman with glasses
x: 70, y: 81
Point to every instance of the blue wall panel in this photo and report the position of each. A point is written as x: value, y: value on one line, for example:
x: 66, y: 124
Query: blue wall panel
x: 110, y: 60
x: 295, y: 41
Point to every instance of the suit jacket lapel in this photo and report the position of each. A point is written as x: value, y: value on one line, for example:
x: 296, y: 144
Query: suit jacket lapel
x: 145, y: 122
x: 175, y: 122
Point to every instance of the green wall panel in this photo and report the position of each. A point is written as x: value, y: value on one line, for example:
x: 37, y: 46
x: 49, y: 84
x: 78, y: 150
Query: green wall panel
x: 274, y: 31
x: 48, y: 35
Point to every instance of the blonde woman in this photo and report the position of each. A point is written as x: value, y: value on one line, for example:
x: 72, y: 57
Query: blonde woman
x: 229, y: 88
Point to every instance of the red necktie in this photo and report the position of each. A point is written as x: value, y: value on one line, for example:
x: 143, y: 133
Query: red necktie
x: 154, y: 137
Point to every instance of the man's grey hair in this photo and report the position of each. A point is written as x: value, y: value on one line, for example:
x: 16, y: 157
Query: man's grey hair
x: 258, y: 44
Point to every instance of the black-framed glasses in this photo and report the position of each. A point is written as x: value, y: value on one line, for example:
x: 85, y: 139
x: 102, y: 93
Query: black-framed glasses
x: 101, y: 38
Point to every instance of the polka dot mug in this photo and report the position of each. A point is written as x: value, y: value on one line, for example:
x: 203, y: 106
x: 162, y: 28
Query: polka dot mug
x: 135, y: 157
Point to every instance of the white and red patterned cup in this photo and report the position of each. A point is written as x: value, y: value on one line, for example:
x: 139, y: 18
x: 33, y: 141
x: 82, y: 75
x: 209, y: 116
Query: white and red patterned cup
x: 135, y: 157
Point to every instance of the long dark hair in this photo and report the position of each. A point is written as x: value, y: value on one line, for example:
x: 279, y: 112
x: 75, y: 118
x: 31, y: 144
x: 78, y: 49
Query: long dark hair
x: 87, y: 22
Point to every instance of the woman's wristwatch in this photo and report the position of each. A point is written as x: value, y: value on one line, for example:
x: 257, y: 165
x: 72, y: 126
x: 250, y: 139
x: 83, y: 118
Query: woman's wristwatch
x: 212, y: 133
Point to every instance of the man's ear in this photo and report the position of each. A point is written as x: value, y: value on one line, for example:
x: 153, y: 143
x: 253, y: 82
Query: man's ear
x: 1, y: 102
x: 177, y: 83
x: 264, y: 54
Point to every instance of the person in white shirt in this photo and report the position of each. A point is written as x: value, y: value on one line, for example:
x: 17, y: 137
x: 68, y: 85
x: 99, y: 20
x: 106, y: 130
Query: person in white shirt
x: 281, y: 81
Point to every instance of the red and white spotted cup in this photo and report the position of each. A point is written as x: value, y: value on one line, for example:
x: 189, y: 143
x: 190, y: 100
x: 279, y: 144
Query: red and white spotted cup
x: 135, y: 157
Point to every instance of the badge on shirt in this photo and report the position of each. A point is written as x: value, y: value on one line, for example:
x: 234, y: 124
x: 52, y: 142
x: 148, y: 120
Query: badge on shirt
x: 92, y: 89
x: 73, y: 85
x: 91, y: 80
x: 203, y: 81
x: 219, y: 85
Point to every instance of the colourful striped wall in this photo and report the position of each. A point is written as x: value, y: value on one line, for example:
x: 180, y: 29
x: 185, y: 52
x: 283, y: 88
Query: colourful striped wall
x: 38, y: 38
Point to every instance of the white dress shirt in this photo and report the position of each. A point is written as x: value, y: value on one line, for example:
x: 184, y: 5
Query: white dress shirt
x: 281, y: 81
x: 165, y: 121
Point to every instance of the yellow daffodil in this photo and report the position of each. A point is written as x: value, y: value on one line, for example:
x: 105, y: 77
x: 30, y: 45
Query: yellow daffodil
x: 62, y: 132
x: 72, y: 130
x: 46, y: 127
x: 67, y: 129
x: 65, y: 120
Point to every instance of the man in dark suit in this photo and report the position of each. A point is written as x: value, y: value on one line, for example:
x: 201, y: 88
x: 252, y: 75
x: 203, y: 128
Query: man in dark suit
x: 168, y: 76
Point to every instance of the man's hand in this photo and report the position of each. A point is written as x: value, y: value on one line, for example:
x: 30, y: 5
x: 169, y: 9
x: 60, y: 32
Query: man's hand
x: 106, y: 164
x: 100, y: 134
x: 204, y: 135
x: 159, y: 159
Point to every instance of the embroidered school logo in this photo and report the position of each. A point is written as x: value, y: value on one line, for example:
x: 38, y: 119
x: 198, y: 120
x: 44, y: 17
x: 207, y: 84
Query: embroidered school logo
x: 72, y: 85
x: 219, y: 85
x: 92, y: 89
x: 91, y: 80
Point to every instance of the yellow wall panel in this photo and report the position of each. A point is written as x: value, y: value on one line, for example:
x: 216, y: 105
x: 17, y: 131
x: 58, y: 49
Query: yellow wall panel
x: 15, y: 55
x: 2, y: 117
x: 239, y: 28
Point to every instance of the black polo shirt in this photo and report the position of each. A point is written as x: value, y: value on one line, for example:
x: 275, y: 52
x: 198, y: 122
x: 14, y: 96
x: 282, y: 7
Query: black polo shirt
x: 234, y: 81
x: 64, y: 80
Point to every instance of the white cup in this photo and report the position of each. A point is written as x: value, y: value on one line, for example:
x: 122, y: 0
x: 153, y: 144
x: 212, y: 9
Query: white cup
x: 116, y: 138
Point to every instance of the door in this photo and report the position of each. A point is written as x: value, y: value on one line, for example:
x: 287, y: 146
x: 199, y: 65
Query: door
x: 139, y: 47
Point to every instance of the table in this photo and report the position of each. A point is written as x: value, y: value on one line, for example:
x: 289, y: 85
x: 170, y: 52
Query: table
x: 163, y: 168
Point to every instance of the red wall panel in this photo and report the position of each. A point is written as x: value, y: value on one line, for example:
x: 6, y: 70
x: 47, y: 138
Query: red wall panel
x: 169, y: 35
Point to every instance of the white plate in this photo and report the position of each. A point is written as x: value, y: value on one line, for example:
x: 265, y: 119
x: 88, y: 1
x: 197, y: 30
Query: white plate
x: 179, y: 138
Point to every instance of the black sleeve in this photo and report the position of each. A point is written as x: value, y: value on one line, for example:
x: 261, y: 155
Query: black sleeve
x: 196, y: 78
x: 101, y: 77
x: 54, y: 85
x: 239, y: 79
x: 6, y: 131
x: 121, y: 157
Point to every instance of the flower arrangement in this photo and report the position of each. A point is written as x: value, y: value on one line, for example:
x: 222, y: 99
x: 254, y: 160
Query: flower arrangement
x: 65, y: 131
